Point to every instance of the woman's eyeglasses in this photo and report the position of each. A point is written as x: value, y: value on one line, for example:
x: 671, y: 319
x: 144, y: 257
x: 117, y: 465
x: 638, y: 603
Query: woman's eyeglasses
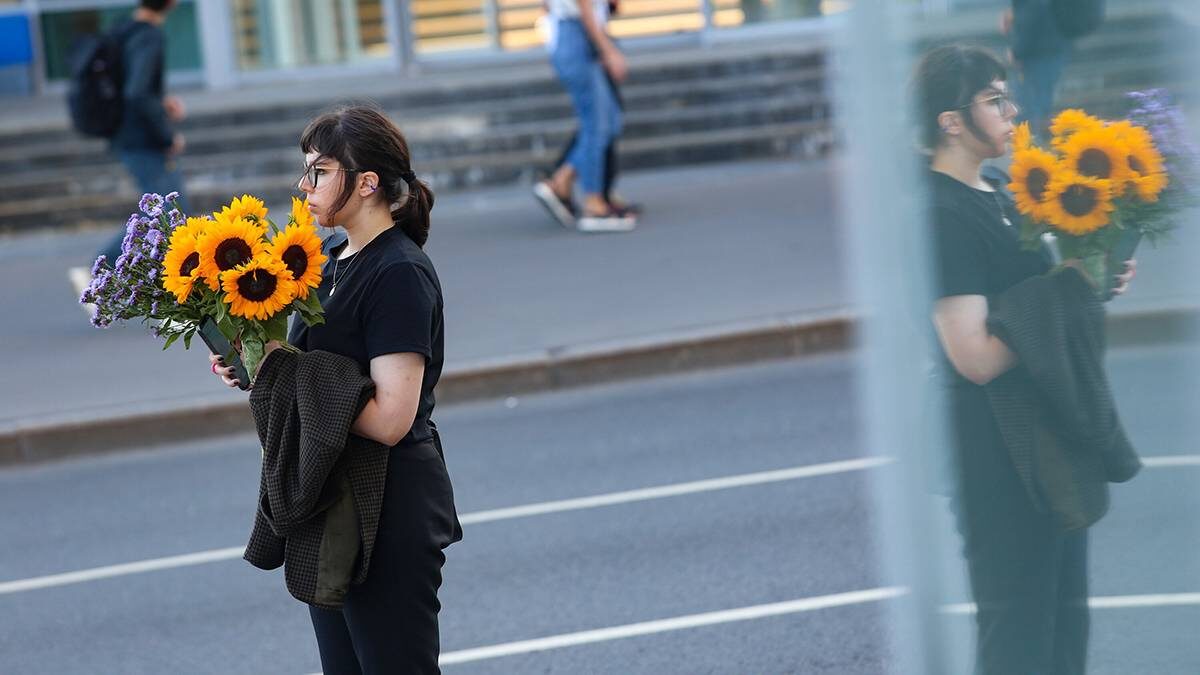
x: 313, y: 173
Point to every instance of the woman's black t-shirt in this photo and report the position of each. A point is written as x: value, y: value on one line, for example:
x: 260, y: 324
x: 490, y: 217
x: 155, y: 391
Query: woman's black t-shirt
x: 388, y: 301
x: 977, y: 253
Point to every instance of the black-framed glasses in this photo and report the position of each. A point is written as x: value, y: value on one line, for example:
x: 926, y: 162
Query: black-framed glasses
x: 1002, y: 103
x: 313, y: 173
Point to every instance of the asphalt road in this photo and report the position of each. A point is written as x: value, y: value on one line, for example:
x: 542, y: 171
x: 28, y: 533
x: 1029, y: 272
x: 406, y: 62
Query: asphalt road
x: 659, y: 557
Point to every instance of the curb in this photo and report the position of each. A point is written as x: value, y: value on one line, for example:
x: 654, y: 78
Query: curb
x: 557, y: 368
x: 774, y: 338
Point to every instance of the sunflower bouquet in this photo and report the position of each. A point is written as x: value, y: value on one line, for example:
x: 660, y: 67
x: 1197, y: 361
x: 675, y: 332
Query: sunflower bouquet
x: 236, y: 268
x: 1099, y: 188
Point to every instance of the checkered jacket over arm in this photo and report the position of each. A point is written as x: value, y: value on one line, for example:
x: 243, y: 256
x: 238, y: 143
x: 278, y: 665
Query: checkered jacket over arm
x: 321, y: 487
x: 1055, y: 410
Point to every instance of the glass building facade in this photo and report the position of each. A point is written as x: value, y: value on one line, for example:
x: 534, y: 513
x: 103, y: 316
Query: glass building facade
x: 226, y: 43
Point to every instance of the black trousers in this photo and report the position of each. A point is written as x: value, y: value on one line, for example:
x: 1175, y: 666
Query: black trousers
x: 1029, y: 579
x: 389, y: 623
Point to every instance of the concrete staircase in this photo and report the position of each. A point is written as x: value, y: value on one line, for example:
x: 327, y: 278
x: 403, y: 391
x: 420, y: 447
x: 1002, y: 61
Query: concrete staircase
x: 701, y: 106
x: 504, y: 125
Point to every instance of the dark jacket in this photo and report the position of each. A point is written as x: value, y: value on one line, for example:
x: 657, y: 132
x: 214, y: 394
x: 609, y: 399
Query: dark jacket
x: 1056, y: 412
x: 1035, y: 31
x: 321, y: 488
x: 144, y: 122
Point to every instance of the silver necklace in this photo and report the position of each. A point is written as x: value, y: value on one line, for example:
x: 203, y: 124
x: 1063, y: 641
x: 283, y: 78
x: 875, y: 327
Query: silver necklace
x: 1000, y: 207
x: 333, y: 288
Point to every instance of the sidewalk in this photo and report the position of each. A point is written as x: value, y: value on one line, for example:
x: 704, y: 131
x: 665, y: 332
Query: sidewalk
x: 747, y: 255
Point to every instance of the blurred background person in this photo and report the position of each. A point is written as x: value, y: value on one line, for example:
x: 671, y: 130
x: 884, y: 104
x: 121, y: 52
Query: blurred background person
x: 611, y: 167
x: 146, y: 141
x: 1041, y: 33
x: 585, y: 58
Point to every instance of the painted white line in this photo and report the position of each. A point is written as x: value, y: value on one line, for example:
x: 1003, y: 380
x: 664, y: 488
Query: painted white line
x: 628, y: 496
x: 644, y: 494
x: 673, y: 624
x: 95, y: 573
x: 1167, y: 461
x: 675, y: 490
x: 1108, y: 602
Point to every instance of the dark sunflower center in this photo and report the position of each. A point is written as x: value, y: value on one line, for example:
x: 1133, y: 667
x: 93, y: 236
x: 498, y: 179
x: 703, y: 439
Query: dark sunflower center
x: 1036, y: 182
x: 190, y: 263
x: 1079, y: 200
x: 231, y: 253
x: 1095, y: 163
x: 296, y: 260
x: 257, y: 285
x: 1136, y: 164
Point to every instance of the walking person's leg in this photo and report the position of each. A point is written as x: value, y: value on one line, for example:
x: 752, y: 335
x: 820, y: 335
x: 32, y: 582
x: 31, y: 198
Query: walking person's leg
x: 1035, y: 87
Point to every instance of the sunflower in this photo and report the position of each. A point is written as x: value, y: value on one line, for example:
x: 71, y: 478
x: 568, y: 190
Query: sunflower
x: 1097, y: 153
x: 301, y: 215
x: 226, y: 244
x: 1146, y: 173
x: 300, y: 250
x: 245, y: 206
x: 259, y: 288
x: 181, y: 264
x: 1069, y: 121
x: 1032, y: 169
x: 1022, y: 137
x: 1077, y: 204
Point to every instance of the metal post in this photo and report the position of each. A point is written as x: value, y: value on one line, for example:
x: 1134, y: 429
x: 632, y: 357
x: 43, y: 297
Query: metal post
x: 491, y: 12
x: 217, y: 48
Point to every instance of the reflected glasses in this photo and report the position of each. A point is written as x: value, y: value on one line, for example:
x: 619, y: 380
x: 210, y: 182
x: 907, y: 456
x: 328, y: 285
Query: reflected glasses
x: 1001, y: 102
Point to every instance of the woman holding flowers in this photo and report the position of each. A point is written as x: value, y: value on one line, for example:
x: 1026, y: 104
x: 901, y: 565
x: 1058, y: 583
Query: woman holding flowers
x: 1028, y: 578
x: 382, y: 308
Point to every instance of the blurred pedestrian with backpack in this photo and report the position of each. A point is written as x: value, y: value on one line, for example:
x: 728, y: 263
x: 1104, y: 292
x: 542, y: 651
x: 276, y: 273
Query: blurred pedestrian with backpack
x: 139, y: 120
x: 1041, y: 33
x: 585, y: 58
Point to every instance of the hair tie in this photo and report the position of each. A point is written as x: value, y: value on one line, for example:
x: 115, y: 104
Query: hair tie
x: 408, y: 176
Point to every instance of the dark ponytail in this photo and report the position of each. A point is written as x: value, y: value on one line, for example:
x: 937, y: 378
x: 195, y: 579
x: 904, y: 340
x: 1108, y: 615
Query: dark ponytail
x: 362, y: 138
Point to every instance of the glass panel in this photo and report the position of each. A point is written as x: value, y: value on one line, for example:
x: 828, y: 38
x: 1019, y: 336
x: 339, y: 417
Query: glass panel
x: 1008, y: 388
x: 519, y: 20
x: 731, y: 13
x: 286, y: 33
x: 449, y: 25
x: 60, y: 29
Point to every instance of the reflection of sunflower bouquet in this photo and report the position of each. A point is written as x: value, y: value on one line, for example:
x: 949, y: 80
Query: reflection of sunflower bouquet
x: 1099, y: 188
x: 177, y: 271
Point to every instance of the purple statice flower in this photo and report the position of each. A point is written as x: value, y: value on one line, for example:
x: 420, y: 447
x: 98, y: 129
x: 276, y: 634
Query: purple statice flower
x: 101, y: 263
x: 134, y: 296
x: 155, y: 237
x: 123, y: 263
x: 1154, y: 110
x: 88, y: 296
x: 176, y: 218
x: 152, y: 274
x: 154, y: 307
x: 151, y: 204
x: 99, y: 321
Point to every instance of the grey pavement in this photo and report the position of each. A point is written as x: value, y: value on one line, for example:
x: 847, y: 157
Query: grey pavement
x: 719, y: 245
x: 591, y: 568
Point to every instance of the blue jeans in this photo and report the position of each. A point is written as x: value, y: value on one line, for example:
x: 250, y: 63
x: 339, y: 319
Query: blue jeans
x: 575, y: 60
x: 1035, y: 89
x: 154, y: 172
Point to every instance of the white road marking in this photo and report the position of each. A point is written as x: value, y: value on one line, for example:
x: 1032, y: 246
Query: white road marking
x: 644, y: 494
x: 673, y: 624
x: 1109, y: 602
x: 525, y: 511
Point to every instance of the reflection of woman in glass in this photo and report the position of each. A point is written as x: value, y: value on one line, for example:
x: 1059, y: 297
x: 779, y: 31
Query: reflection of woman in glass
x: 1029, y: 578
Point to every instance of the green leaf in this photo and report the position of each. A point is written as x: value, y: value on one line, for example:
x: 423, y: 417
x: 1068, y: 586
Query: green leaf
x: 170, y: 340
x: 252, y: 354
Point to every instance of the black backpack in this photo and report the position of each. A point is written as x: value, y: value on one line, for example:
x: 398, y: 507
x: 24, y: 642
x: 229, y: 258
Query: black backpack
x: 1077, y: 18
x: 95, y: 96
